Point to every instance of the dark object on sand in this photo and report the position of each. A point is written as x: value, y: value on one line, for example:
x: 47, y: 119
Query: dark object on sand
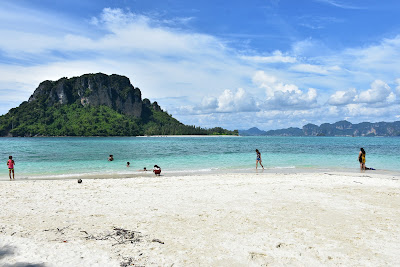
x: 79, y: 181
x: 158, y: 241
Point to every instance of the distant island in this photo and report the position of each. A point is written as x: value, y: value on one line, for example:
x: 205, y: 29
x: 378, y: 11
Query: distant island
x: 94, y: 105
x: 340, y: 128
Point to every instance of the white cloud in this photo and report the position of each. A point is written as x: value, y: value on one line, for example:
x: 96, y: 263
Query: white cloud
x: 379, y: 92
x: 241, y: 101
x: 271, y: 84
x: 126, y: 32
x: 280, y: 95
x: 229, y: 101
x: 308, y: 68
x: 209, y: 103
x: 226, y: 101
x: 365, y: 112
x: 340, y: 4
x: 343, y: 97
x: 276, y: 57
x: 292, y: 100
x: 309, y: 49
x: 398, y: 87
x: 391, y: 98
x: 115, y: 19
x: 375, y: 60
x: 318, y: 22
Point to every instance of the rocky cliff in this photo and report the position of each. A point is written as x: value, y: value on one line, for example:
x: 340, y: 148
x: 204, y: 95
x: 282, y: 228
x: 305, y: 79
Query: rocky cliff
x: 114, y: 91
x: 345, y: 128
x: 340, y: 128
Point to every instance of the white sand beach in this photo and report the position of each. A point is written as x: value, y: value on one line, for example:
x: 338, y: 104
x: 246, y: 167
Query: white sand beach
x: 255, y: 219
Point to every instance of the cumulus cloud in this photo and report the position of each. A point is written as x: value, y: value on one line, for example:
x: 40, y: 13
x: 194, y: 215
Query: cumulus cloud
x: 366, y: 112
x: 209, y: 103
x: 280, y: 95
x: 239, y: 101
x: 391, y: 98
x: 271, y: 84
x: 343, y: 97
x: 379, y: 92
x: 398, y: 87
x: 229, y: 101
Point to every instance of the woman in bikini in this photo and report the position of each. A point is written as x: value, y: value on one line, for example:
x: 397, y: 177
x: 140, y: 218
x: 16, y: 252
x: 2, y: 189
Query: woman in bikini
x: 258, y: 160
x: 361, y: 158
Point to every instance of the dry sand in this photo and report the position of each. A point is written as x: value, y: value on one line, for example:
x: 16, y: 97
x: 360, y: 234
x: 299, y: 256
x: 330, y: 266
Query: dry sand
x: 257, y: 219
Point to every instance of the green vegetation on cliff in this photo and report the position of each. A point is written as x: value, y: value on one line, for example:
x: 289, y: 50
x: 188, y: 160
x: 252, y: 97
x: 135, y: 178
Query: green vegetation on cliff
x: 93, y: 105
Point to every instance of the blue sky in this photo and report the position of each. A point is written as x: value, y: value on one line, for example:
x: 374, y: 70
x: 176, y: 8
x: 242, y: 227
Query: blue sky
x: 236, y: 64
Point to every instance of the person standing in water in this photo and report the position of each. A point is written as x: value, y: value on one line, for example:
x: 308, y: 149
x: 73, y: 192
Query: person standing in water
x: 361, y: 158
x: 10, y: 164
x: 258, y: 160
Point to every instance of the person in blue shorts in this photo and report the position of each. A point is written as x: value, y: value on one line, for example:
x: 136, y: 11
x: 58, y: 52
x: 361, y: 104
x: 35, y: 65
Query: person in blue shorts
x: 258, y: 160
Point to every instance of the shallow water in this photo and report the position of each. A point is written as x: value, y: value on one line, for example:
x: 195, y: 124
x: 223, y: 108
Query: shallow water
x: 64, y: 157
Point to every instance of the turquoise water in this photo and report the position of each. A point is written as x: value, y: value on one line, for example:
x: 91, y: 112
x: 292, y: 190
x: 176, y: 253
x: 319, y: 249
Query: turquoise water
x: 63, y: 157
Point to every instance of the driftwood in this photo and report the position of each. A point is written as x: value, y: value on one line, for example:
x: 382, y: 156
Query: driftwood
x: 121, y: 236
x: 118, y: 236
x: 129, y: 261
x: 158, y: 241
x: 57, y: 230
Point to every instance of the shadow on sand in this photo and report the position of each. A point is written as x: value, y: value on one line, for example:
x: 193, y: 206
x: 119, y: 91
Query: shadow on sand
x: 6, y: 251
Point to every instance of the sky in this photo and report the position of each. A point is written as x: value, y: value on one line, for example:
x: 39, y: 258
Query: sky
x: 269, y: 64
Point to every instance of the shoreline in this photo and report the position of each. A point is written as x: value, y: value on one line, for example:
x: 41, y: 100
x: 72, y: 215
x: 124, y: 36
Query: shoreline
x: 211, y: 135
x: 135, y: 174
x: 242, y: 219
x: 118, y: 136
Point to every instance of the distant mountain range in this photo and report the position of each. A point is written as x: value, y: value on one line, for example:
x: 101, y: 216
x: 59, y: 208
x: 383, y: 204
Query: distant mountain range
x: 340, y: 128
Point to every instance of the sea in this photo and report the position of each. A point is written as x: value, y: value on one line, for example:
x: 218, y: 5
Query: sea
x: 87, y: 157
